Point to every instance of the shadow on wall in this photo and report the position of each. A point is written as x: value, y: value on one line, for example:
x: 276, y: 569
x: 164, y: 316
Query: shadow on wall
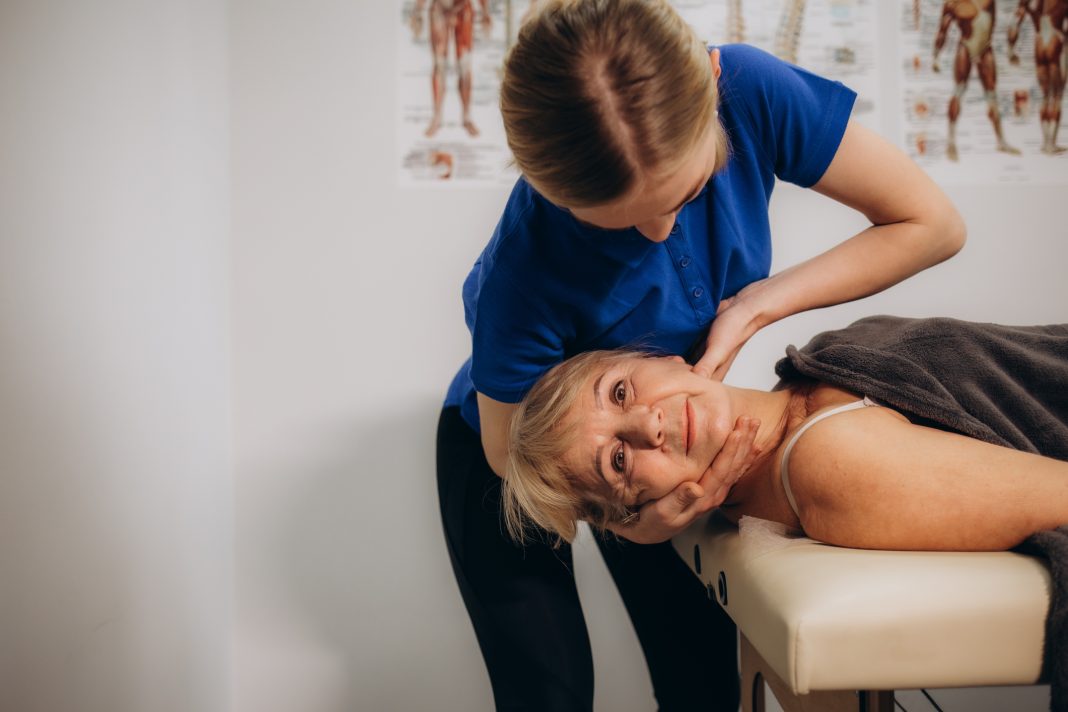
x: 362, y: 569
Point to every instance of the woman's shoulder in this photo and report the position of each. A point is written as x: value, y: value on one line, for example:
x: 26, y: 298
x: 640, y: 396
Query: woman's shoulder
x: 823, y: 401
x: 745, y: 55
x: 791, y: 116
x: 840, y: 429
x: 749, y: 71
x: 833, y: 421
x: 813, y: 399
x: 746, y: 73
x: 822, y: 396
x: 522, y: 210
x: 528, y: 230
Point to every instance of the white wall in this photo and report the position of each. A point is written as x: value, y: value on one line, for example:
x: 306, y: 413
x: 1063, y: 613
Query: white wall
x: 346, y: 316
x: 115, y: 491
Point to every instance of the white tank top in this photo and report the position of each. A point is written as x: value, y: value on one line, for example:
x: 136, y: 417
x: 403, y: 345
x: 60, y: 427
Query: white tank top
x: 862, y: 403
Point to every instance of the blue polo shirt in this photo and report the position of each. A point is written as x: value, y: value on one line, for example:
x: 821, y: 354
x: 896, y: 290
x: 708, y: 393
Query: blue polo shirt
x: 547, y: 287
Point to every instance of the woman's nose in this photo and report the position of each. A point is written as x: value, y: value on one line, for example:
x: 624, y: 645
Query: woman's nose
x: 657, y: 230
x: 645, y: 427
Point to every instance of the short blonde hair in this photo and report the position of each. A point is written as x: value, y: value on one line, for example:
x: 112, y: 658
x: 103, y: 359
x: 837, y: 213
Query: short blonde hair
x: 538, y: 492
x: 596, y: 91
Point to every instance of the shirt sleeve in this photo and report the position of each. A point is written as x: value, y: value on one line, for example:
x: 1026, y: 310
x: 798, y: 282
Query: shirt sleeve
x: 513, y: 341
x: 797, y: 117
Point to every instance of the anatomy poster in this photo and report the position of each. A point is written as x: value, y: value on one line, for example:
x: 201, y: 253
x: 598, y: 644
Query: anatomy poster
x: 449, y: 128
x: 450, y: 54
x: 983, y: 83
x: 833, y: 38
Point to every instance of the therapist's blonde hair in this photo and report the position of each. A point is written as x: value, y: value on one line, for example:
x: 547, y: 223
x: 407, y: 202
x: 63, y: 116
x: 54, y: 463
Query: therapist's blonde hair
x: 596, y: 91
x: 538, y: 492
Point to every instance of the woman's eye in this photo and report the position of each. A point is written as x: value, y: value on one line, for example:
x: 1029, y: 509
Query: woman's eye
x: 619, y: 393
x: 618, y: 460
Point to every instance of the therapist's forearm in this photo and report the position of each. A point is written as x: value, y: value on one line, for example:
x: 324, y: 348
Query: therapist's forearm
x: 865, y: 264
x: 914, y: 225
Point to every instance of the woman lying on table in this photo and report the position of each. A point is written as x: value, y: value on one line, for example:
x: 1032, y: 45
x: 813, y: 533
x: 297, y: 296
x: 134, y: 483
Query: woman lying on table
x: 928, y: 434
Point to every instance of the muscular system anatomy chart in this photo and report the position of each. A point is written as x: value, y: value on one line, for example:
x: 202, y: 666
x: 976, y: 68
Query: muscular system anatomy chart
x: 449, y: 57
x: 983, y: 88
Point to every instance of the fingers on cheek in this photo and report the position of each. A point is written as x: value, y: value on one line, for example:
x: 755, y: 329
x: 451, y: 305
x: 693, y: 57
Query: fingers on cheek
x: 734, y: 440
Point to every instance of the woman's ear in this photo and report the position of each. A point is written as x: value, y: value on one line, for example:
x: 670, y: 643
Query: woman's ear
x: 713, y: 57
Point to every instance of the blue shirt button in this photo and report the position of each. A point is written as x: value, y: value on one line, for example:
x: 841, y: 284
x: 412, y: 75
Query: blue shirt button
x: 675, y: 229
x: 697, y: 292
x: 684, y: 262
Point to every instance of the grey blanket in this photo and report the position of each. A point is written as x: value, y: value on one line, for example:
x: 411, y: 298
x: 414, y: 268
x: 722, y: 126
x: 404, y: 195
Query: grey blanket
x: 1006, y: 385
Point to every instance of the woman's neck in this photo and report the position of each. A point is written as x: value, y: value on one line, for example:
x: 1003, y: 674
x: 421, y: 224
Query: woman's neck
x: 780, y: 412
x: 777, y: 411
x: 759, y: 491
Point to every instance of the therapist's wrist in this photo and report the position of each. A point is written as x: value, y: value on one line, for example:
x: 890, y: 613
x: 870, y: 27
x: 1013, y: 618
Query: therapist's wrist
x: 779, y: 296
x: 758, y: 303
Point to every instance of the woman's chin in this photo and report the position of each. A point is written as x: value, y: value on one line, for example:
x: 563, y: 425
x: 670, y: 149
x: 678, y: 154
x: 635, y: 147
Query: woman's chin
x: 714, y: 424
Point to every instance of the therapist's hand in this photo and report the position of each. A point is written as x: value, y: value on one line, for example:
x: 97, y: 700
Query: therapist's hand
x: 736, y: 321
x: 663, y: 518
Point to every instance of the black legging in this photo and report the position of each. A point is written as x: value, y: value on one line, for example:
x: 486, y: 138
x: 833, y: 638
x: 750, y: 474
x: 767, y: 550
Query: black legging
x: 526, y: 612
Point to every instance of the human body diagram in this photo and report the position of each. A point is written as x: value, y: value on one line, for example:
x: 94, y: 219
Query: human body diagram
x: 976, y: 20
x: 451, y: 19
x: 1049, y: 18
x: 1016, y: 51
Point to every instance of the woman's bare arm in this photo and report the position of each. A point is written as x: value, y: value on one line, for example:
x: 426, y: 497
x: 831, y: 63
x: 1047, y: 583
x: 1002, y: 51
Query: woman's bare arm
x: 869, y: 479
x: 494, y: 418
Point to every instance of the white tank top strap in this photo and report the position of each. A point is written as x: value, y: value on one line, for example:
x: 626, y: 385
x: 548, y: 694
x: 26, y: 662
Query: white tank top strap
x: 862, y: 403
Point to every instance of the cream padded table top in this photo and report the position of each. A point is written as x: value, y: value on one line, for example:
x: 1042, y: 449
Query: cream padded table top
x: 828, y: 618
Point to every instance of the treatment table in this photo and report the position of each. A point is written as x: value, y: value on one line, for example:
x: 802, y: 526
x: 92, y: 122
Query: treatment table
x: 832, y: 629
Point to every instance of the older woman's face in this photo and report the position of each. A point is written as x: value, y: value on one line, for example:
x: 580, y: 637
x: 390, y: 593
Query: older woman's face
x: 644, y: 426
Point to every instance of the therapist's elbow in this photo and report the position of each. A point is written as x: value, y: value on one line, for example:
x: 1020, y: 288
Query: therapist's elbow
x: 954, y: 232
x: 947, y: 233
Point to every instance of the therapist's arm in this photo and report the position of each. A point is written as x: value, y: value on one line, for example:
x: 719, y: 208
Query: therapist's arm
x: 495, y: 418
x: 914, y: 226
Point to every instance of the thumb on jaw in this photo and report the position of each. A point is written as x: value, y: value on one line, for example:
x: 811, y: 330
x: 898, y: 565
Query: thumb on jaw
x: 687, y: 494
x: 707, y: 364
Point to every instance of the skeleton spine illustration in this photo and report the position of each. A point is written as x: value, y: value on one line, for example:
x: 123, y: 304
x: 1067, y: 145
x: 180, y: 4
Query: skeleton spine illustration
x: 788, y: 37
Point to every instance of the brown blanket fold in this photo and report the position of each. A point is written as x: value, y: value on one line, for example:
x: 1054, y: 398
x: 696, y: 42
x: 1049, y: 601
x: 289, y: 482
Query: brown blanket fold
x: 1006, y: 385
